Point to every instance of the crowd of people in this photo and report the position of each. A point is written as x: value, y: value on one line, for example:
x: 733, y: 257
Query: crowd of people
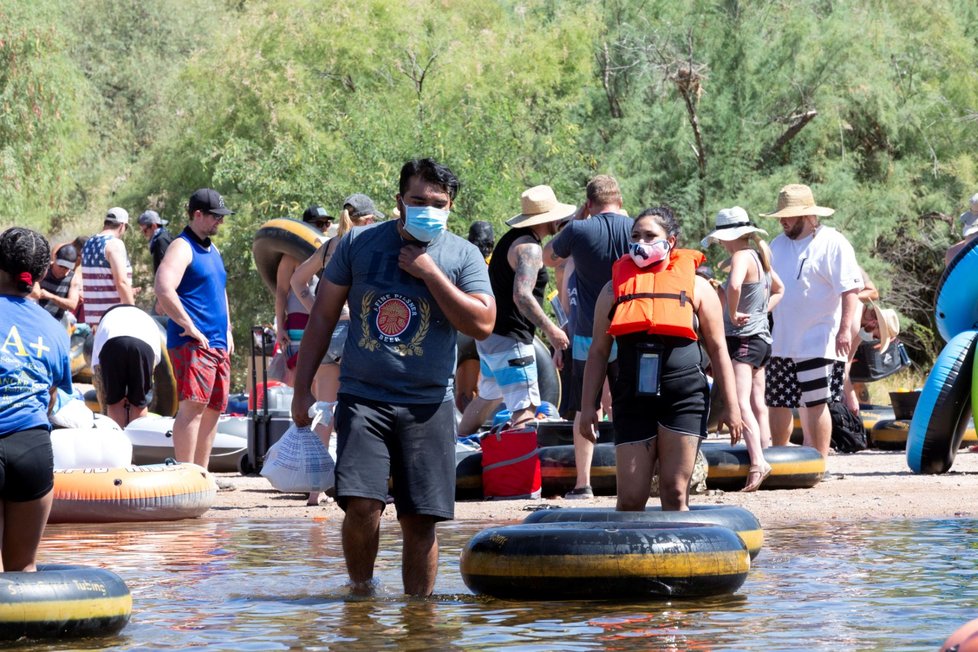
x: 372, y: 320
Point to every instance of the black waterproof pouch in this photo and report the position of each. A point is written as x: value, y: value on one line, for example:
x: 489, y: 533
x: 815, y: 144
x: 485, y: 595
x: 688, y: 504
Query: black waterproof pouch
x: 648, y: 369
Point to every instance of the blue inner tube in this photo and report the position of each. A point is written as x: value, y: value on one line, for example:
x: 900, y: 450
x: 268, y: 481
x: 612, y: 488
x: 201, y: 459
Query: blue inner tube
x: 562, y: 561
x: 956, y: 299
x: 943, y: 410
x: 62, y: 601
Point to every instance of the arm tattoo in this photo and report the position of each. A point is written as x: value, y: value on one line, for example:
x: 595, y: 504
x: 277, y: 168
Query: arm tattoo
x: 529, y: 261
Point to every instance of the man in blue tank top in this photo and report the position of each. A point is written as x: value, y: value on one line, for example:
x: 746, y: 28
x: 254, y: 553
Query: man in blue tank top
x: 191, y: 285
x: 411, y: 285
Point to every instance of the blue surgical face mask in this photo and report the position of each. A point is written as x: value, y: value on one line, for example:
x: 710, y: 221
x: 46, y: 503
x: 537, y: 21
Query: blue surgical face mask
x: 424, y: 223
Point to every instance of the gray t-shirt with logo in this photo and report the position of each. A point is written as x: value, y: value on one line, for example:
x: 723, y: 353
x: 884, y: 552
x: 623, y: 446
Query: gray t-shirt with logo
x: 401, y: 346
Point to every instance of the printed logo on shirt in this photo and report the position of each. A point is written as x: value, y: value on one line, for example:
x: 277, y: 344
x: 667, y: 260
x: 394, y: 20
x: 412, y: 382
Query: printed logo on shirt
x: 394, y: 316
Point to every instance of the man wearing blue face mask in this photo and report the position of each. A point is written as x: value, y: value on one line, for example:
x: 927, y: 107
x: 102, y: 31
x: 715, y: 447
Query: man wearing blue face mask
x: 410, y: 285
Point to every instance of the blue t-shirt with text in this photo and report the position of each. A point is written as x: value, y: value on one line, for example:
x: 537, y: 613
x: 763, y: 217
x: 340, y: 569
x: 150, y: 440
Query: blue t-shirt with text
x: 401, y: 346
x: 34, y: 357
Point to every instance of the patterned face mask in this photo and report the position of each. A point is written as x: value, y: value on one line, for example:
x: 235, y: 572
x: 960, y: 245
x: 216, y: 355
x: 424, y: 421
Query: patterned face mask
x: 648, y: 253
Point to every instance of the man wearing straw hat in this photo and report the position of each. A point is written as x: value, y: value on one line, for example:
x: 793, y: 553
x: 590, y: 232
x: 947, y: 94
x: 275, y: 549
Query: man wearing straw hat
x: 519, y: 280
x: 813, y: 322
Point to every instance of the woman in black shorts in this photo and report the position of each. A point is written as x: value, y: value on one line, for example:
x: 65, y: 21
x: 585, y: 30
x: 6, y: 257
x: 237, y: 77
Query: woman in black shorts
x: 33, y: 362
x: 751, y: 290
x: 656, y: 308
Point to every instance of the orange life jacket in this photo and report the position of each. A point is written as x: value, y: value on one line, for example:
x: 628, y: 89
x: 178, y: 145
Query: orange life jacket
x: 659, y: 303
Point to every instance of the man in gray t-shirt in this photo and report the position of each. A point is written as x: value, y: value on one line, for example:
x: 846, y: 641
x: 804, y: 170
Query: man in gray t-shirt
x: 410, y: 286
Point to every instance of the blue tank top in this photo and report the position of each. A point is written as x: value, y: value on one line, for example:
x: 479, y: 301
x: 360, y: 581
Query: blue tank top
x: 202, y: 293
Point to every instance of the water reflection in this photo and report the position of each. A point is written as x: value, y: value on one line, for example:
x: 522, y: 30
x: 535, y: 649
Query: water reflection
x: 270, y: 585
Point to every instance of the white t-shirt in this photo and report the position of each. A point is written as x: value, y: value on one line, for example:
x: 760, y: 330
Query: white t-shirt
x: 127, y: 321
x: 815, y: 271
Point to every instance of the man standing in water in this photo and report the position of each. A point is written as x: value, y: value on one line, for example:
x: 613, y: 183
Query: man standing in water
x: 191, y: 287
x: 410, y: 285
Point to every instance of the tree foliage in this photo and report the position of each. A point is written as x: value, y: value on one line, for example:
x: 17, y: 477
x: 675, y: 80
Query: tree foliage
x: 700, y: 105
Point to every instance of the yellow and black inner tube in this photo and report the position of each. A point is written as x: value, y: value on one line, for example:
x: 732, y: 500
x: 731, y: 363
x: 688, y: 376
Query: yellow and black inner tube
x: 738, y: 519
x: 61, y: 602
x: 792, y: 467
x: 565, y: 561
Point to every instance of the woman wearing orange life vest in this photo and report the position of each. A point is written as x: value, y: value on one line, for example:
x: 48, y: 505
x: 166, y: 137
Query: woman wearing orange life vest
x: 660, y: 403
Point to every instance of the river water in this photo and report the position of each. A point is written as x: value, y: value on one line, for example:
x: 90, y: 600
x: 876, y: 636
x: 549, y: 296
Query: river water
x: 281, y: 585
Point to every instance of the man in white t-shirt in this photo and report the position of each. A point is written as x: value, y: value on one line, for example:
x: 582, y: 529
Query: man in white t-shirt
x: 125, y: 351
x: 813, y: 322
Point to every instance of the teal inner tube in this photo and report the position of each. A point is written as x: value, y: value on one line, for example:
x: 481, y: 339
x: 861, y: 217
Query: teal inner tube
x: 62, y: 601
x: 565, y: 561
x: 943, y: 410
x: 738, y: 519
x: 956, y: 299
x: 792, y: 467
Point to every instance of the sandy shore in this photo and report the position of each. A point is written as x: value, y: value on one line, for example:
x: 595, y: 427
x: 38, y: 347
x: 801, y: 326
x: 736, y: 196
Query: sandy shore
x: 865, y: 486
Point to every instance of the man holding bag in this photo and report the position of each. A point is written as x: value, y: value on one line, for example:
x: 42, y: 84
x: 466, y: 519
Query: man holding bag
x: 410, y: 285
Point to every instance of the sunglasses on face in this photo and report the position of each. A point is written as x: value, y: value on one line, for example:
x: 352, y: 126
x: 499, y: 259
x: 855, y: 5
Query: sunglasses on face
x: 320, y: 224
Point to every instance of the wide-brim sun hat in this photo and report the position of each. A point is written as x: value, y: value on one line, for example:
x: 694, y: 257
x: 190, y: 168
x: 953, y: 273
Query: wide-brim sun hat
x: 539, y: 205
x: 731, y: 224
x: 888, y: 322
x: 796, y: 200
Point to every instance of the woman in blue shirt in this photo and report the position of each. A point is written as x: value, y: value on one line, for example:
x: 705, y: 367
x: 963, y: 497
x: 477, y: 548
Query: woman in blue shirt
x: 34, y: 361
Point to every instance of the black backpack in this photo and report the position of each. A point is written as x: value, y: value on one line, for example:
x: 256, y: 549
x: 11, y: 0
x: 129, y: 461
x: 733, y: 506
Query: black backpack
x: 848, y: 432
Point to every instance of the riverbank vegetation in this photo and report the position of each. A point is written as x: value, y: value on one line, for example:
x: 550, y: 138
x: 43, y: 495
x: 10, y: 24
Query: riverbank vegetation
x: 701, y: 105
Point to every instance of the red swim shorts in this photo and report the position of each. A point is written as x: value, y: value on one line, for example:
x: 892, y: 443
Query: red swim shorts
x: 203, y: 375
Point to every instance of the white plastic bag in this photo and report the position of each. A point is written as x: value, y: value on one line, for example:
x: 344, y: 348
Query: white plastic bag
x: 299, y: 463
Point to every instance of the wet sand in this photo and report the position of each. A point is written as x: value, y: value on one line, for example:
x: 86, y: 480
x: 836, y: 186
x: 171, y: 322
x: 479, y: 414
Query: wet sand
x: 870, y: 485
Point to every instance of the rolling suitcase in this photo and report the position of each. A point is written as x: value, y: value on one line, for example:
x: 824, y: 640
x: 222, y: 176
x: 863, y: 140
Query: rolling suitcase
x: 265, y: 426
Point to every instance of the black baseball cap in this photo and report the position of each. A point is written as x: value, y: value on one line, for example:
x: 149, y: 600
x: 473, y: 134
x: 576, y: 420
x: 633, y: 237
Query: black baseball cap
x: 208, y: 201
x: 316, y: 213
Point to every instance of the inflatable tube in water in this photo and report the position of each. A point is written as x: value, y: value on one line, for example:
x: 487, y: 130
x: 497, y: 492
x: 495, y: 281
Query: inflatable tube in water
x: 792, y: 467
x: 547, y: 376
x: 157, y: 492
x: 86, y: 448
x: 956, y: 299
x: 152, y: 441
x: 964, y: 638
x: 62, y: 601
x: 735, y: 518
x: 559, y: 471
x: 283, y: 236
x: 561, y: 561
x: 942, y: 412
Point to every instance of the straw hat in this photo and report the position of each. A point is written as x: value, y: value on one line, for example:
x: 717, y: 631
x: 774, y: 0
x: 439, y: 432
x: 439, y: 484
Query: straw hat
x: 888, y: 323
x: 731, y: 224
x: 539, y: 205
x: 796, y: 200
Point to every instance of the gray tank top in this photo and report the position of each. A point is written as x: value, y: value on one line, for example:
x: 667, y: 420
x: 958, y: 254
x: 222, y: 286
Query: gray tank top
x: 753, y: 301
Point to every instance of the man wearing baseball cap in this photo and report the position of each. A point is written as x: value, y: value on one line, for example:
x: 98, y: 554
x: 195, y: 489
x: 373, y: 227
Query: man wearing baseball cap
x: 106, y: 271
x: 153, y: 227
x: 191, y: 285
x: 61, y: 287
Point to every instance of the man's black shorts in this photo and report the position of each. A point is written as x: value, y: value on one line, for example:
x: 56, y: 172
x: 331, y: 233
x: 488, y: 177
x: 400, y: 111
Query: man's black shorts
x: 126, y: 370
x: 412, y: 444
